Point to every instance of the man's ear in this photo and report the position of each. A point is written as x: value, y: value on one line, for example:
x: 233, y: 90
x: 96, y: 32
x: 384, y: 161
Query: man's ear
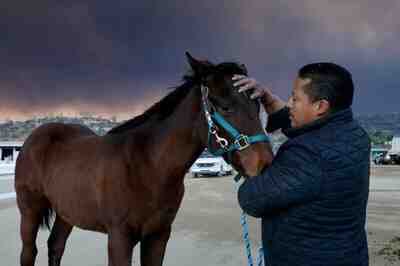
x: 322, y: 107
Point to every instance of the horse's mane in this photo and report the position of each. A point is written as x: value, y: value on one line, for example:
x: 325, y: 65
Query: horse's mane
x: 164, y: 108
x: 161, y: 109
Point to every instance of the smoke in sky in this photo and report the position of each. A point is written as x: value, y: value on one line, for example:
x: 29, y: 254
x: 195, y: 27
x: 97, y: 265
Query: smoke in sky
x: 115, y: 58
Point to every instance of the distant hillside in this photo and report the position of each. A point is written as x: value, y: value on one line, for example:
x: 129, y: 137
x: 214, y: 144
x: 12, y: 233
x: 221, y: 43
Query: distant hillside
x: 19, y: 130
x: 380, y: 126
x: 389, y: 123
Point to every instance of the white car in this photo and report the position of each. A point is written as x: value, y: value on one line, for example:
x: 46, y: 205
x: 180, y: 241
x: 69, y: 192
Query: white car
x: 208, y: 164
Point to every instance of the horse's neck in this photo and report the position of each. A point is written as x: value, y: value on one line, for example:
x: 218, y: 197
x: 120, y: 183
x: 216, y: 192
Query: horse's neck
x: 174, y: 143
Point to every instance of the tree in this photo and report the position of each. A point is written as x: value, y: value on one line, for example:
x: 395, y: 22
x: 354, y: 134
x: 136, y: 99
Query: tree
x: 381, y: 136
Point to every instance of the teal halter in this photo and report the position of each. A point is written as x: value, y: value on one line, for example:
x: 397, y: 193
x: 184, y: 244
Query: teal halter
x: 240, y: 141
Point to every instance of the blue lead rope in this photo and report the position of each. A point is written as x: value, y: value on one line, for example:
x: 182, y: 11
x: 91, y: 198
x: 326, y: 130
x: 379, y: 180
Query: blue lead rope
x: 245, y: 235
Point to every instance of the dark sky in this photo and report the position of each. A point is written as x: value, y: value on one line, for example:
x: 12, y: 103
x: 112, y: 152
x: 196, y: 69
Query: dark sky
x: 116, y: 58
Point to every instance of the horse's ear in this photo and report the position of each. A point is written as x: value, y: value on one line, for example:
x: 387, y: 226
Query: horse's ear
x: 199, y: 67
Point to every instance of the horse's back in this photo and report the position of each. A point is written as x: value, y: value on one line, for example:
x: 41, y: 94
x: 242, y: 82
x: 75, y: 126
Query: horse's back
x: 32, y: 159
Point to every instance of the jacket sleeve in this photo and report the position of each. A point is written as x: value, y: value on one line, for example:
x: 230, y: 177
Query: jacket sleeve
x: 278, y: 120
x: 293, y: 178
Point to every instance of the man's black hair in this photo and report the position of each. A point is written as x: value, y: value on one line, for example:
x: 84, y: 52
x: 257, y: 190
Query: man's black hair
x: 330, y: 82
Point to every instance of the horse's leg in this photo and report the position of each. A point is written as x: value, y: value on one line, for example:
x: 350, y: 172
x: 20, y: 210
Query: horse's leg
x: 120, y: 247
x: 152, y: 248
x: 57, y: 239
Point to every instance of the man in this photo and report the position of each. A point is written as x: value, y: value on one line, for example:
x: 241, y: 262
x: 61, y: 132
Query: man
x: 313, y: 198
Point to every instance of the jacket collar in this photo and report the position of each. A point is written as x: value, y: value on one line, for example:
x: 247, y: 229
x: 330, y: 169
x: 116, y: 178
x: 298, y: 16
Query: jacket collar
x: 339, y: 117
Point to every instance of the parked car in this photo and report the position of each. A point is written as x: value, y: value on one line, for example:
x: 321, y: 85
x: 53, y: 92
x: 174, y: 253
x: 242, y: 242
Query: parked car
x: 208, y: 164
x: 395, y: 158
x: 383, y: 158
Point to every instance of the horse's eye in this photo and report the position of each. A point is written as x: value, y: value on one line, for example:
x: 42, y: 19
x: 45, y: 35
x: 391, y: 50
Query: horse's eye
x: 226, y: 109
x: 222, y: 106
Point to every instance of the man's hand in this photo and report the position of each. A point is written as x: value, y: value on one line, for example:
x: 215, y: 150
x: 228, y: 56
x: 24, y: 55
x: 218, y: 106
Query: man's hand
x: 271, y: 102
x: 245, y: 83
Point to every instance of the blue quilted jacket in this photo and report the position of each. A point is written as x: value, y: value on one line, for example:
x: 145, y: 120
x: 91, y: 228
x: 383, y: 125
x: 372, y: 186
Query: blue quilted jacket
x: 313, y: 198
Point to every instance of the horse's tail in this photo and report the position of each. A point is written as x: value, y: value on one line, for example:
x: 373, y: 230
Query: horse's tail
x: 47, y: 218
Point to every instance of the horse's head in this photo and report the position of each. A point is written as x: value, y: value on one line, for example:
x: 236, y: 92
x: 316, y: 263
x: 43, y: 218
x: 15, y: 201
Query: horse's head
x: 232, y: 118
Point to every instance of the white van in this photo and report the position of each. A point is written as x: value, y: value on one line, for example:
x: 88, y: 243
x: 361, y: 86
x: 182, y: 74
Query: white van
x: 208, y: 164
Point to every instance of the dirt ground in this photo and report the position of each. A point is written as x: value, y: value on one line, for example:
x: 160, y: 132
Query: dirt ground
x: 383, y: 219
x: 210, y: 199
x: 385, y: 170
x: 207, y: 228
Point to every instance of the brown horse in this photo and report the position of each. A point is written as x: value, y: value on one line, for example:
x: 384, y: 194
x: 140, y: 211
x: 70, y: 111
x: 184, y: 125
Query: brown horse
x: 129, y: 183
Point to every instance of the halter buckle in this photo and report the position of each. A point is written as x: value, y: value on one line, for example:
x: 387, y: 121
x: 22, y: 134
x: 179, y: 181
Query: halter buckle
x: 242, y: 142
x: 223, y: 143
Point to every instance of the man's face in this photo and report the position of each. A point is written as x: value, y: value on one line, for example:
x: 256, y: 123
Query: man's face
x: 302, y: 109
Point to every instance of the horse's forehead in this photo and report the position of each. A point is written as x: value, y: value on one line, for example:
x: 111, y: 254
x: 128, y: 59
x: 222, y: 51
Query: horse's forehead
x: 227, y: 88
x: 221, y: 78
x: 223, y: 83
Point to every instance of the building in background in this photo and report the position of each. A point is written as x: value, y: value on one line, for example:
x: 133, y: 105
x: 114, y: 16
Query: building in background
x: 9, y: 151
